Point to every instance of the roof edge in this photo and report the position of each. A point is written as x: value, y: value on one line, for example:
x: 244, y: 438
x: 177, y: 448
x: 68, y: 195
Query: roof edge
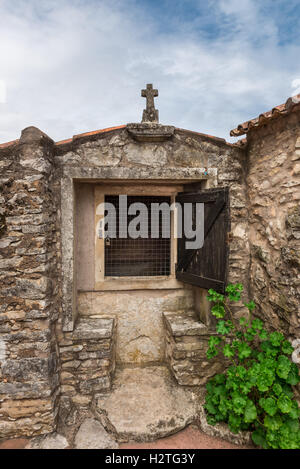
x: 291, y: 105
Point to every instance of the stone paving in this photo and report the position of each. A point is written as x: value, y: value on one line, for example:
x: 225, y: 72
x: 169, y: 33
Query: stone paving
x: 189, y: 438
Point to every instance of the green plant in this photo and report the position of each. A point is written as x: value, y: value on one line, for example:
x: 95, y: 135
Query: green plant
x: 256, y: 392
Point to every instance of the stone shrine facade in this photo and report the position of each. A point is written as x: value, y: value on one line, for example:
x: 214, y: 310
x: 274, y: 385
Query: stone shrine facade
x: 66, y: 327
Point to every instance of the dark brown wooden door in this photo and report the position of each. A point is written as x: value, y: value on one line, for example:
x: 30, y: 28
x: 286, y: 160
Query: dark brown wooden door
x: 206, y: 267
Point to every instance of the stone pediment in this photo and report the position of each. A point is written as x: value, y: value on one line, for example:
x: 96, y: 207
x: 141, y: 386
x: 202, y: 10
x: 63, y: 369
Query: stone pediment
x: 150, y: 131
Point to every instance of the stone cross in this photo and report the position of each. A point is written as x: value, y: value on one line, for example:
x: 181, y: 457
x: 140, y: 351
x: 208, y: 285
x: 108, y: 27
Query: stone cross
x: 150, y: 114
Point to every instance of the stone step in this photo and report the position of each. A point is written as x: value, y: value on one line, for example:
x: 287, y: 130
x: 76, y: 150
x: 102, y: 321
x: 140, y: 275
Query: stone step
x: 146, y: 404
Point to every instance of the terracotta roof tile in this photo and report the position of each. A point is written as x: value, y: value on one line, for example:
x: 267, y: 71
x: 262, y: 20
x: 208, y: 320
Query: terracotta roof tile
x: 291, y: 105
x: 89, y: 134
x: 8, y: 144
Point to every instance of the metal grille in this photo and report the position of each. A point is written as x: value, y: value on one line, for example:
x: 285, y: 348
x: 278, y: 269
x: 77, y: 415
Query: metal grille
x: 137, y: 257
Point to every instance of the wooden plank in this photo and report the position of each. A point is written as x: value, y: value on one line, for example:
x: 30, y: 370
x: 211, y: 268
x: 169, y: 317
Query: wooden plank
x: 213, y: 215
x: 202, y: 282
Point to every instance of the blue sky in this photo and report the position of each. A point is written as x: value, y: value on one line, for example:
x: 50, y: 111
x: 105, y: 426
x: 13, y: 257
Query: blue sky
x: 70, y: 66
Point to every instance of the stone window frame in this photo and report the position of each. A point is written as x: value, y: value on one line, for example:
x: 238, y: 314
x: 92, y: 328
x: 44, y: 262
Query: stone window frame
x: 70, y: 176
x: 106, y: 283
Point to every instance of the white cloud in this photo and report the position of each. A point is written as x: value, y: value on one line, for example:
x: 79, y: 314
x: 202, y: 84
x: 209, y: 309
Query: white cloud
x: 2, y: 91
x: 74, y: 66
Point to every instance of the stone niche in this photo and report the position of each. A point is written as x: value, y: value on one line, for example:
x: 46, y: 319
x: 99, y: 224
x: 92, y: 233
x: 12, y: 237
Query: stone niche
x: 67, y: 325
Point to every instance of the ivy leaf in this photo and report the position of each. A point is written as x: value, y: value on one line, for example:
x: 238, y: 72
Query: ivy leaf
x: 209, y: 406
x: 269, y: 405
x: 234, y: 423
x: 284, y: 404
x: 241, y: 371
x: 249, y: 335
x: 264, y: 382
x: 250, y: 412
x: 259, y: 439
x: 218, y: 311
x: 243, y: 321
x: 219, y: 379
x: 212, y: 352
x: 213, y: 341
x: 277, y: 389
x: 276, y: 338
x: 287, y: 348
x: 273, y: 423
x: 239, y: 404
x: 284, y: 366
x: 234, y: 292
x: 293, y: 377
x: 295, y: 411
x: 269, y: 349
x: 251, y: 306
x: 228, y: 351
x: 211, y: 420
x: 215, y: 296
x: 244, y: 351
x: 264, y: 335
x: 224, y: 328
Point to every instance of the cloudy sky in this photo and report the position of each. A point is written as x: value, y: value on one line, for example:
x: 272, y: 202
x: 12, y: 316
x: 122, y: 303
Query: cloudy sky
x: 71, y: 66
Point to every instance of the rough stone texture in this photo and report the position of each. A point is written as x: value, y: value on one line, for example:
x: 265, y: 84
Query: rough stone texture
x: 274, y: 196
x: 88, y: 361
x: 186, y: 346
x: 44, y: 350
x: 52, y: 441
x: 221, y: 430
x: 140, y: 332
x: 92, y: 435
x: 29, y: 288
x: 189, y: 438
x: 146, y: 404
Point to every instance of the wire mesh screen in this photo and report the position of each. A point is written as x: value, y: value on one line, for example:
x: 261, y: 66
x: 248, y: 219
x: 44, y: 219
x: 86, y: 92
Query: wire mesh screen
x: 142, y: 256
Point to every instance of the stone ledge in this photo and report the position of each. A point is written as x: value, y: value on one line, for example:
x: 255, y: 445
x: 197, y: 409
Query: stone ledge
x: 150, y: 132
x: 184, y: 325
x: 101, y: 328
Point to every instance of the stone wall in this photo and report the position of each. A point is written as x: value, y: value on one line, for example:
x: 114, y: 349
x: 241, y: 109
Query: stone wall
x: 186, y: 345
x: 87, y: 365
x: 29, y: 290
x: 274, y: 198
x: 40, y: 360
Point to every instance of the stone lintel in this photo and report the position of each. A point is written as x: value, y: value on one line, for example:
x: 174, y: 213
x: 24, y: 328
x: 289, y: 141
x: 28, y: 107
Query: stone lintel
x: 94, y: 329
x: 181, y: 325
x: 150, y: 132
x: 110, y: 172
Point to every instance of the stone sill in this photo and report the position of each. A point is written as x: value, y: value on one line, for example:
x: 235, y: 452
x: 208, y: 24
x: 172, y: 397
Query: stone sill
x: 138, y: 283
x: 101, y: 328
x: 183, y: 325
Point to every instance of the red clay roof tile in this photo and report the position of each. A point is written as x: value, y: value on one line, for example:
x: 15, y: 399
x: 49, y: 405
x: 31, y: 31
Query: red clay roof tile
x: 291, y: 105
x: 8, y: 144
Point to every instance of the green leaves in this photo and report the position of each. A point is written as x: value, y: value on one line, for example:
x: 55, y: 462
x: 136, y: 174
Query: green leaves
x: 228, y: 351
x: 273, y: 423
x: 257, y: 324
x: 214, y: 296
x: 258, y: 438
x: 224, y: 328
x: 255, y: 393
x: 293, y: 377
x: 284, y: 404
x: 234, y: 292
x: 269, y: 405
x: 244, y: 351
x: 286, y: 347
x: 251, y: 306
x: 283, y: 367
x: 250, y: 412
x: 239, y: 403
x: 276, y: 338
x: 218, y: 311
